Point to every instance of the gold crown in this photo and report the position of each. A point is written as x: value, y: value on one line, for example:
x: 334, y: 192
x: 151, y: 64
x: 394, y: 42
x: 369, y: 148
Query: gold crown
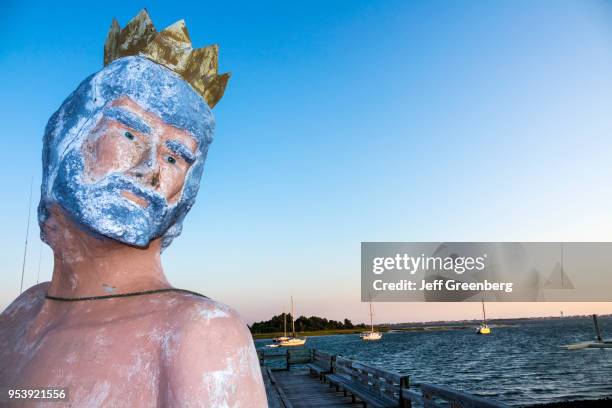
x: 171, y: 48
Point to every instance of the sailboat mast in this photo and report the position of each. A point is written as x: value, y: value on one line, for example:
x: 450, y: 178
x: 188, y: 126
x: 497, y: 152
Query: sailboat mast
x: 25, y: 247
x: 371, y: 319
x: 285, y: 323
x: 484, y: 316
x: 292, y: 318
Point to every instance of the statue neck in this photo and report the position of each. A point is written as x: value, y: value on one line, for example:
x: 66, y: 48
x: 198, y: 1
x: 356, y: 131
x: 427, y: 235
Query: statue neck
x: 87, y: 264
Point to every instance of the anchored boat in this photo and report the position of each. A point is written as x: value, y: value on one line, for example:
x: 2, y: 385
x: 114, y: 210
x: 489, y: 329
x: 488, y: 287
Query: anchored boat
x: 293, y: 340
x: 371, y: 335
x: 284, y: 336
x: 483, y: 328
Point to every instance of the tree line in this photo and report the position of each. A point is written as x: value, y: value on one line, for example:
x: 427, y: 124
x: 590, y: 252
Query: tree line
x: 302, y: 323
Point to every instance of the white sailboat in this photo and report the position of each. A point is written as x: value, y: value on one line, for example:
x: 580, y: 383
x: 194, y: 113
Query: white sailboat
x: 276, y: 341
x: 371, y: 335
x: 284, y: 336
x: 293, y: 340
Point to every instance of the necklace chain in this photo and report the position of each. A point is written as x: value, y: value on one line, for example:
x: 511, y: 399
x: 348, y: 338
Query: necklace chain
x: 122, y: 295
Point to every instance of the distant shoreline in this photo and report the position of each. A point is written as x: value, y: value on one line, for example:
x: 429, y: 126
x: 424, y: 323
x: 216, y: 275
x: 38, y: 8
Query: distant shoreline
x: 264, y: 336
x: 429, y: 326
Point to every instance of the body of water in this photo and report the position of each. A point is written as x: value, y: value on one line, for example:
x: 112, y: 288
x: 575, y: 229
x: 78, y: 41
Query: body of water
x: 519, y: 365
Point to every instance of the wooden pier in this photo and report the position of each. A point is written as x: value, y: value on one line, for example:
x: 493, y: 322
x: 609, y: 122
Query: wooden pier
x: 304, y: 377
x: 301, y: 391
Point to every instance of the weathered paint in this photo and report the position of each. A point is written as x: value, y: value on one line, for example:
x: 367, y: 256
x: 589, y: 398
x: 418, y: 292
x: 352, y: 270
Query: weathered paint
x: 99, y: 205
x: 169, y: 349
x: 108, y: 208
x: 107, y: 216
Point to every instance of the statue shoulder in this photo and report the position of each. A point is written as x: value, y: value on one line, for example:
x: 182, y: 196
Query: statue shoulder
x: 26, y: 305
x: 189, y: 315
x: 193, y: 313
x: 211, y: 358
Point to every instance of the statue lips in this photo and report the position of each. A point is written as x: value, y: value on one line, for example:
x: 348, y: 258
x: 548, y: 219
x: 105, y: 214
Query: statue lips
x: 133, y: 191
x: 141, y: 201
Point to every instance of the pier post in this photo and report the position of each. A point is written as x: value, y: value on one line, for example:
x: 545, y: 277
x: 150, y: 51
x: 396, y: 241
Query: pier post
x: 597, y: 332
x: 404, y: 402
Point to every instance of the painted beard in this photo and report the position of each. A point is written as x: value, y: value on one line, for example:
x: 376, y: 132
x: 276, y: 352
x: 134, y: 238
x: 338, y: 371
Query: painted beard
x: 101, y: 207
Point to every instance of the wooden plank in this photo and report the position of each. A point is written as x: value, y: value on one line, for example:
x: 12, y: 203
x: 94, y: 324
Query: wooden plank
x: 274, y: 400
x: 393, y: 377
x: 413, y: 396
x: 365, y: 393
x: 304, y: 391
x: 283, y: 397
x: 275, y: 356
x: 381, y: 382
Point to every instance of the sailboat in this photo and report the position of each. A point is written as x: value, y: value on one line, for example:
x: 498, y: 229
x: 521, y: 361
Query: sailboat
x: 284, y: 336
x: 483, y: 328
x: 371, y: 335
x: 276, y: 341
x: 293, y: 340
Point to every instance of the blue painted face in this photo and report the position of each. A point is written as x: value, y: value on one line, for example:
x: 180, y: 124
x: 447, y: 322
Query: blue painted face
x: 102, y: 203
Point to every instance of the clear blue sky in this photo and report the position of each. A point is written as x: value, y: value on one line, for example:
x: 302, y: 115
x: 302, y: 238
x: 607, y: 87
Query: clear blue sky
x: 344, y: 122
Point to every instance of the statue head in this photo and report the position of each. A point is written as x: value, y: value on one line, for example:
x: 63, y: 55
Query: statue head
x: 124, y: 154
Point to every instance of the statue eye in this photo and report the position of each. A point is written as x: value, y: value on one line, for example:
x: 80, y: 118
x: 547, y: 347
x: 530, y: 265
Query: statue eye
x: 129, y: 135
x: 171, y: 160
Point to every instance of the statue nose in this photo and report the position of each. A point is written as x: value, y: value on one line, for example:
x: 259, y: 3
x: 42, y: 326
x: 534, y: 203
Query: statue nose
x: 147, y: 172
x: 155, y: 179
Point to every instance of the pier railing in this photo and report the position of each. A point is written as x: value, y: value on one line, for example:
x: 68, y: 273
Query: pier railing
x: 283, y: 359
x: 423, y: 395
